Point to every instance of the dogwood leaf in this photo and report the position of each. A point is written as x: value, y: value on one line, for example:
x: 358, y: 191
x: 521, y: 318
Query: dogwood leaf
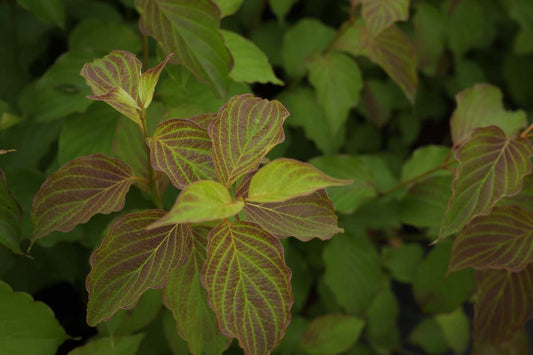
x: 381, y: 14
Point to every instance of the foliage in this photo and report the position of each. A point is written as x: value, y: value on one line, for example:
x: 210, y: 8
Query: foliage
x: 316, y: 177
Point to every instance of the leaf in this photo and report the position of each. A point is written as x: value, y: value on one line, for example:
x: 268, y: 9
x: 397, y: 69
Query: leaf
x: 382, y: 318
x: 281, y: 8
x: 201, y: 201
x: 185, y: 296
x: 347, y: 199
x: 148, y: 81
x: 402, y: 262
x: 190, y: 30
x: 499, y: 292
x: 521, y: 11
x: 248, y: 285
x: 308, y: 36
x: 338, y: 83
x: 182, y: 150
x: 228, y: 7
x: 491, y: 166
x: 469, y: 27
x: 49, y: 11
x: 381, y: 14
x: 391, y: 50
x: 122, y: 345
x: 77, y: 191
x: 436, y: 292
x: 456, y: 329
x: 250, y: 63
x: 10, y: 218
x: 352, y: 255
x: 331, y: 334
x: 430, y: 36
x: 524, y: 198
x: 29, y: 327
x: 245, y: 130
x: 429, y: 336
x: 425, y: 159
x: 103, y: 37
x: 283, y: 179
x: 132, y: 259
x: 502, y: 239
x: 481, y: 106
x: 303, y: 217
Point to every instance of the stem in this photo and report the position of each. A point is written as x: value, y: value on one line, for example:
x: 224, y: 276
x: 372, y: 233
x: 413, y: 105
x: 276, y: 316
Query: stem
x: 525, y: 133
x: 156, y: 194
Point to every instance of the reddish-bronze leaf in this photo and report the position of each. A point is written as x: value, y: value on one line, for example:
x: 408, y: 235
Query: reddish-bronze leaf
x: 502, y: 239
x: 190, y: 30
x: 80, y: 189
x: 182, y: 150
x: 303, y: 217
x: 248, y: 285
x: 504, y: 304
x: 131, y: 260
x: 203, y: 120
x: 381, y: 14
x: 491, y: 166
x: 185, y: 296
x: 245, y: 130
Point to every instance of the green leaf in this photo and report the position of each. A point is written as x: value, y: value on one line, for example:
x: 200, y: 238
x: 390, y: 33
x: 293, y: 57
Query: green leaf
x: 456, y: 329
x: 201, y: 201
x: 469, y: 27
x: 337, y: 80
x: 49, y: 11
x: 382, y: 318
x: 437, y: 292
x: 190, y: 30
x: 347, y: 199
x: 245, y: 130
x: 28, y: 327
x: 283, y: 179
x: 481, y: 106
x: 228, y: 7
x: 250, y: 63
x: 391, y: 50
x: 10, y: 218
x: 499, y: 292
x: 430, y: 36
x: 522, y: 12
x: 303, y: 217
x: 103, y: 37
x: 77, y: 191
x: 185, y: 296
x: 132, y: 259
x: 308, y: 36
x: 503, y: 239
x: 281, y: 8
x: 524, y: 198
x: 248, y: 285
x: 148, y: 81
x: 123, y: 345
x: 354, y: 256
x: 402, y: 262
x: 491, y: 166
x: 429, y: 336
x: 425, y: 159
x: 182, y: 150
x: 331, y: 334
x: 381, y: 14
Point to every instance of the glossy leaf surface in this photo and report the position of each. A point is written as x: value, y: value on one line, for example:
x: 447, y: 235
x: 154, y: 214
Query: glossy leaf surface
x: 381, y: 14
x: 491, y: 166
x: 131, y: 260
x: 190, y: 30
x: 303, y: 217
x: 200, y: 202
x: 28, y: 327
x: 248, y: 285
x: 77, y: 191
x: 481, y: 106
x: 283, y: 179
x: 186, y: 298
x: 10, y: 218
x: 504, y: 304
x: 182, y: 150
x: 244, y: 131
x: 503, y: 239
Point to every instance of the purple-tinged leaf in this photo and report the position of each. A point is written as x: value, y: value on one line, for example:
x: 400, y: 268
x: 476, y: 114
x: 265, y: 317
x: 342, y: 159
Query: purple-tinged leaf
x: 201, y: 201
x: 248, y: 285
x: 77, y: 191
x: 245, y: 130
x: 190, y: 30
x: 185, y: 296
x: 522, y: 199
x: 182, y: 150
x: 131, y: 260
x: 10, y: 218
x: 381, y: 14
x: 303, y: 217
x: 503, y: 305
x: 391, y: 50
x: 502, y: 239
x: 148, y: 81
x: 481, y: 106
x: 491, y: 166
x: 283, y: 179
x: 203, y: 120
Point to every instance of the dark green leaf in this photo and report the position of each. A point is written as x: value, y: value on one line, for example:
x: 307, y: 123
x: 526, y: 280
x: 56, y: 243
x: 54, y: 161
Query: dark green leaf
x: 122, y: 345
x: 103, y: 37
x: 10, y: 218
x: 382, y: 318
x: 49, y: 11
x: 402, y: 262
